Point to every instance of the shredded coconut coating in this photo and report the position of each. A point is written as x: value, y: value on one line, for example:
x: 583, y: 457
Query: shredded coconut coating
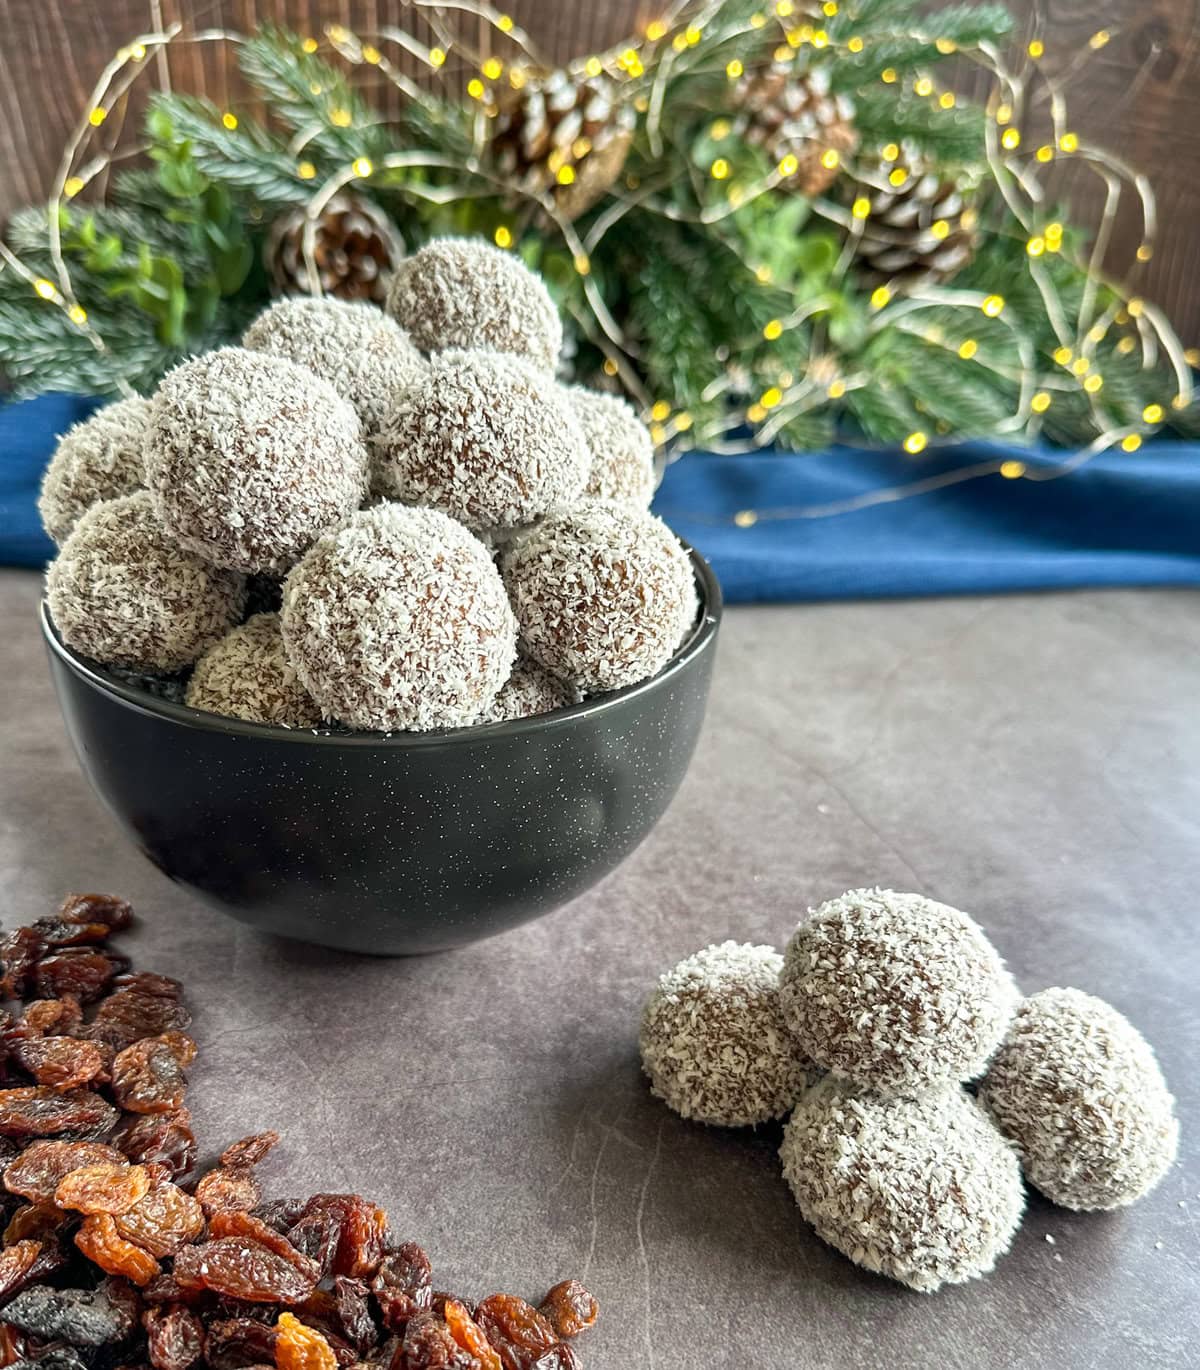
x: 1078, y: 1090
x: 248, y: 675
x: 362, y: 352
x: 124, y: 593
x: 896, y: 992
x: 100, y: 458
x: 251, y: 457
x: 620, y: 447
x: 484, y: 437
x: 713, y: 1040
x: 528, y: 691
x: 604, y: 594
x: 925, y: 1190
x: 399, y: 621
x: 463, y: 292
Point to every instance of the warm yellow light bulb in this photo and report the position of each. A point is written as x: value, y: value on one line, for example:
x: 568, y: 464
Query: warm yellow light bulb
x: 1045, y: 153
x: 915, y: 442
x: 1012, y: 470
x: 968, y: 349
x: 437, y: 57
x: 897, y: 176
x: 1010, y: 139
x: 830, y: 158
x: 340, y: 117
x: 789, y: 165
x: 719, y: 169
x: 503, y: 236
x: 836, y: 390
x: 1036, y: 246
x: 1081, y: 366
x: 734, y: 68
x: 854, y: 44
x: 1069, y: 142
x: 993, y: 305
x: 880, y: 296
x: 1037, y: 49
x: 770, y: 398
x: 78, y: 315
x: 362, y: 166
x: 306, y: 171
x: 888, y: 75
x: 940, y: 229
x: 1154, y: 413
x: 493, y: 68
x: 72, y: 186
x: 565, y: 175
x: 97, y: 116
x: 861, y: 207
x: 772, y: 330
x: 610, y: 367
x: 1040, y: 402
x: 1131, y: 443
x: 890, y: 152
x: 923, y: 86
x: 1094, y: 384
x: 946, y: 99
x: 46, y: 289
x: 230, y: 120
x: 504, y: 23
x: 1063, y: 355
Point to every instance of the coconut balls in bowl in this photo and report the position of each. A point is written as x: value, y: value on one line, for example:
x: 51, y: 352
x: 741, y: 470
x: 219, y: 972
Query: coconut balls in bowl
x: 363, y: 629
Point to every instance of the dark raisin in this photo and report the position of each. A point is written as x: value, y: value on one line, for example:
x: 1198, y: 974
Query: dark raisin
x: 354, y: 1313
x: 19, y: 953
x: 560, y: 1357
x: 166, y: 1219
x: 243, y: 1269
x: 234, y: 1343
x: 517, y: 1330
x: 60, y: 1062
x: 403, y: 1285
x: 281, y: 1214
x: 166, y: 1288
x: 57, y: 932
x: 40, y: 1222
x: 38, y: 1111
x: 569, y: 1308
x: 131, y: 1014
x: 105, y: 1188
x: 80, y: 1317
x: 317, y: 1235
x: 250, y: 1150
x: 162, y: 1138
x: 429, y: 1345
x: 174, y: 1337
x: 80, y: 971
x: 362, y: 1234
x: 148, y: 1077
x: 149, y: 982
x: 229, y: 1187
x: 41, y: 1167
x: 115, y: 913
x: 46, y: 1016
x: 12, y: 1345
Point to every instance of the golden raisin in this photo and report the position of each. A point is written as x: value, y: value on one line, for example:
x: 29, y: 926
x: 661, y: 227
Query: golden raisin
x: 103, y: 1188
x: 301, y: 1348
x: 166, y: 1219
x: 469, y: 1335
x: 104, y: 1246
x: 38, y: 1170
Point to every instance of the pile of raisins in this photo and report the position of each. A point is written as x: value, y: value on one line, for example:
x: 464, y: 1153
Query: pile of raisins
x: 116, y: 1256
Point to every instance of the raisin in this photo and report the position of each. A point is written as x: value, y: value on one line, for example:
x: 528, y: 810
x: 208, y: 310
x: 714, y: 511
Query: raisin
x: 429, y: 1345
x: 353, y: 1308
x: 131, y: 1014
x: 569, y: 1308
x: 403, y: 1285
x: 517, y: 1330
x: 53, y: 1358
x: 233, y: 1343
x: 57, y: 932
x: 81, y: 971
x: 317, y: 1235
x: 166, y: 1219
x: 159, y: 1138
x: 174, y: 1337
x: 36, y: 1111
x: 38, y: 1170
x: 116, y: 914
x: 149, y: 982
x: 60, y: 1062
x: 234, y: 1223
x: 229, y: 1187
x: 12, y: 1346
x: 105, y: 1188
x: 102, y: 1244
x: 281, y: 1214
x: 80, y: 1317
x: 167, y: 1289
x: 298, y: 1347
x: 469, y: 1335
x: 148, y: 1077
x: 45, y: 1016
x: 41, y: 1222
x: 19, y: 953
x: 243, y: 1269
x: 362, y: 1232
x: 560, y: 1357
x: 16, y: 1264
x: 250, y: 1150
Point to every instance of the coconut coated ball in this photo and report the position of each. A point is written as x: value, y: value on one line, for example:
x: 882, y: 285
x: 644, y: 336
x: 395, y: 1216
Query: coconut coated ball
x: 484, y: 437
x: 528, y: 691
x: 620, y: 447
x: 604, y: 594
x: 122, y: 591
x: 896, y: 992
x: 924, y: 1190
x: 365, y: 355
x: 1077, y: 1088
x: 399, y: 621
x: 251, y: 457
x: 463, y: 292
x: 248, y: 675
x: 713, y: 1040
x: 100, y: 458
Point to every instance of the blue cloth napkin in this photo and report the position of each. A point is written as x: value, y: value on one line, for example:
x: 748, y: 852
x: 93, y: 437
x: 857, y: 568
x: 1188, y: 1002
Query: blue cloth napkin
x: 1121, y: 519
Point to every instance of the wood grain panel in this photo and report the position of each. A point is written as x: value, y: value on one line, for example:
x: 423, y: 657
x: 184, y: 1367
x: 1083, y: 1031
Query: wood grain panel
x: 1139, y: 95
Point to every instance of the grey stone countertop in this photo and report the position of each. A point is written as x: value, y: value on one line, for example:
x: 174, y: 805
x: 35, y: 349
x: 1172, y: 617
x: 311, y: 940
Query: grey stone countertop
x: 1034, y: 760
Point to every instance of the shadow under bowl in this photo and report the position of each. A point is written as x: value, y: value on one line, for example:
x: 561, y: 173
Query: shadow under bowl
x: 390, y: 843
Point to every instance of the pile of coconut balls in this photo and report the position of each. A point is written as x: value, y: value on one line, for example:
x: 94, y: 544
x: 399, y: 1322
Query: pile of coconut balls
x: 919, y: 1082
x: 384, y: 519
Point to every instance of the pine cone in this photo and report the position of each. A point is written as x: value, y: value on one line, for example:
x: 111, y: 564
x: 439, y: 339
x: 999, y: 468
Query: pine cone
x: 356, y: 247
x: 917, y: 233
x: 563, y: 126
x: 790, y: 113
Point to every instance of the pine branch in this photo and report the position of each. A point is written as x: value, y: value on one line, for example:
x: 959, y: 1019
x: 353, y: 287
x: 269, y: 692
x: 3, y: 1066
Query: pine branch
x: 946, y: 136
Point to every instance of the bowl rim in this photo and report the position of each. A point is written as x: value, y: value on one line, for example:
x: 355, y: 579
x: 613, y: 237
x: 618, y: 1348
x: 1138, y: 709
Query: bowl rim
x: 142, y: 701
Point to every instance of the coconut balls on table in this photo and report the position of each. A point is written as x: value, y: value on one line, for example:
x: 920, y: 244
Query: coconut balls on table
x: 381, y: 519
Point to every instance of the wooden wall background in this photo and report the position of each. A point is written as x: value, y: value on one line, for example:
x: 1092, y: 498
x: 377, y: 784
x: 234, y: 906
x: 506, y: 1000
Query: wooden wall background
x: 1139, y: 96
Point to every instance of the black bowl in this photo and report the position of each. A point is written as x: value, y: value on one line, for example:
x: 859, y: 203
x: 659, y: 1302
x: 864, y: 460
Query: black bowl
x: 391, y: 844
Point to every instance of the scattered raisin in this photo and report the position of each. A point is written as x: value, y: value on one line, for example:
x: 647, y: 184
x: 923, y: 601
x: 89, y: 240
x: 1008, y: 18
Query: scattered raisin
x: 131, y: 1014
x: 60, y: 1062
x: 16, y: 1263
x: 174, y: 1337
x: 281, y: 1214
x: 80, y: 971
x: 159, y: 1138
x: 243, y: 1269
x: 19, y: 953
x: 38, y: 1170
x: 233, y: 1343
x: 41, y: 1222
x: 299, y: 1347
x: 469, y: 1335
x: 362, y: 1232
x: 102, y: 1244
x: 569, y: 1308
x: 234, y: 1223
x: 37, y: 1111
x: 403, y: 1285
x: 164, y: 1220
x: 229, y: 1187
x: 250, y: 1150
x: 149, y: 982
x: 80, y: 1317
x: 12, y: 1345
x: 116, y: 914
x: 46, y: 1016
x: 148, y: 1077
x: 429, y: 1345
x: 353, y: 1309
x: 517, y: 1330
x: 58, y: 932
x: 105, y: 1188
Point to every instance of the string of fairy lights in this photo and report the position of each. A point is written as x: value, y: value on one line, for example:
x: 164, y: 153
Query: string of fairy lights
x: 684, y: 35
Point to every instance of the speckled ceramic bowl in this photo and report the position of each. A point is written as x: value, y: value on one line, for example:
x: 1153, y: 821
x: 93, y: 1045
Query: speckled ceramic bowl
x: 413, y: 842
